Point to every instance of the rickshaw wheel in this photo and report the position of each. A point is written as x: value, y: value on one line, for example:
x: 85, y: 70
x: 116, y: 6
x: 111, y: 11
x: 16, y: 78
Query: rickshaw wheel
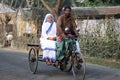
x: 66, y: 65
x: 79, y: 73
x: 33, y: 60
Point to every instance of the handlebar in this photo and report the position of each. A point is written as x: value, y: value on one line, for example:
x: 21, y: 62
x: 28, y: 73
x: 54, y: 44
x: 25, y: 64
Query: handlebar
x: 72, y: 37
x: 68, y: 36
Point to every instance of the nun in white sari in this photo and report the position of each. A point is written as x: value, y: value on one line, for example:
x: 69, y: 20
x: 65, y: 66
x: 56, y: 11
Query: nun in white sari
x: 47, y: 39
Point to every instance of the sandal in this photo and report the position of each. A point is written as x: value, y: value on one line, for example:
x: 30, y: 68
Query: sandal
x: 48, y: 62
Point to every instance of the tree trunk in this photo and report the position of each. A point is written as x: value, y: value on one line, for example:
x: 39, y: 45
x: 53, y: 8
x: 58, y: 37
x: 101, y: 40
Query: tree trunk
x: 5, y: 19
x: 55, y: 11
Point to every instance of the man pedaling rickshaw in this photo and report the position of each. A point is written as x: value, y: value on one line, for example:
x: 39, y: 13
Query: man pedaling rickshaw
x: 66, y: 21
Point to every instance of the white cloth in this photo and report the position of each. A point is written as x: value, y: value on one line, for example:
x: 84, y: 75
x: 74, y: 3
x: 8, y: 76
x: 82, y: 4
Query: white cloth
x: 28, y: 28
x: 9, y: 37
x: 78, y: 46
x: 45, y: 27
x: 48, y: 46
x: 49, y: 49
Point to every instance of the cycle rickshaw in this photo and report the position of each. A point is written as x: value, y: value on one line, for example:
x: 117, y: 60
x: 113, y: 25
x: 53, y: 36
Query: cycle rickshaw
x: 68, y: 64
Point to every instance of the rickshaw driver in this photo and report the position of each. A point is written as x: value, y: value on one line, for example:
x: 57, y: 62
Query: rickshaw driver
x: 66, y: 21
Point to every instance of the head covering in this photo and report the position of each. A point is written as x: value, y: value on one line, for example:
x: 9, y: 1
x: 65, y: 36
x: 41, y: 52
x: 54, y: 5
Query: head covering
x: 46, y: 17
x: 45, y: 20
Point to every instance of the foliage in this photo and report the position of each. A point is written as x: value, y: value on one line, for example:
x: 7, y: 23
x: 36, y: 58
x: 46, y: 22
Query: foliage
x: 104, y: 47
x: 96, y: 3
x: 37, y: 17
x: 21, y: 42
x: 86, y: 3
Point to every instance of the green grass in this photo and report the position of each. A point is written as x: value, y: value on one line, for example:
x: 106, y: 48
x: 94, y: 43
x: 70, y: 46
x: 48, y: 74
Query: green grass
x: 104, y: 62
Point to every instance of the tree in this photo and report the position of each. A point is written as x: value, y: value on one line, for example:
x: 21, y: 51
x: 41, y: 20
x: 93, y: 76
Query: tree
x: 30, y: 3
x: 56, y: 10
x: 97, y: 3
x: 5, y: 19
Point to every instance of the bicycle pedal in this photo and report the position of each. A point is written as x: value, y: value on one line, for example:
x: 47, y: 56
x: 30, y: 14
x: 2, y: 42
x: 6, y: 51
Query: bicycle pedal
x: 80, y: 60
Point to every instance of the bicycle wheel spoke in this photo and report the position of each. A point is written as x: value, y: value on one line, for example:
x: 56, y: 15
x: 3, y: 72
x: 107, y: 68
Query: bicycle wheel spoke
x: 74, y: 74
x: 78, y: 68
x: 33, y: 60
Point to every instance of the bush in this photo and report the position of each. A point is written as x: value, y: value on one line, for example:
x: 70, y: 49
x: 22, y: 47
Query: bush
x: 93, y: 44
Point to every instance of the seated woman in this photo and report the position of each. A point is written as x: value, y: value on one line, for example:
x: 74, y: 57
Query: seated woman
x: 48, y: 39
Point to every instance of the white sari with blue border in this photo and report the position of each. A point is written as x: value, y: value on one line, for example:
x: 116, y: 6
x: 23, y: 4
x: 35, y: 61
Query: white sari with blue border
x: 48, y: 46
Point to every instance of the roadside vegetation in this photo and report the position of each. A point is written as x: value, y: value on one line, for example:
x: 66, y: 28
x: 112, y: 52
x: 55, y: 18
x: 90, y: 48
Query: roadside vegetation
x: 111, y: 63
x: 103, y: 48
